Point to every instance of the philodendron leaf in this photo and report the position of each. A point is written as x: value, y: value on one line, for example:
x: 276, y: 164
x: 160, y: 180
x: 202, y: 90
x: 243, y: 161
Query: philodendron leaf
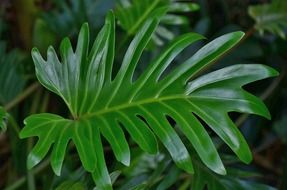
x: 102, y: 106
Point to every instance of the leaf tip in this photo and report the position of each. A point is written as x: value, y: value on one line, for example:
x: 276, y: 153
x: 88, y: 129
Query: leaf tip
x: 186, y: 165
x: 246, y: 158
x: 239, y: 34
x: 235, y: 36
x: 268, y: 115
x: 50, y: 50
x: 32, y: 160
x: 21, y: 135
x: 57, y: 169
x: 84, y: 28
x: 220, y: 170
x: 83, y: 37
x: 110, y: 18
x: 110, y: 14
x: 34, y: 50
x: 65, y: 44
x: 273, y: 72
x: 126, y: 161
x: 35, y: 54
x: 189, y: 169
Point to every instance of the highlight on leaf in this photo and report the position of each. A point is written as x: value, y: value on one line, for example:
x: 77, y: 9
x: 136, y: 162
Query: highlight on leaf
x: 104, y: 106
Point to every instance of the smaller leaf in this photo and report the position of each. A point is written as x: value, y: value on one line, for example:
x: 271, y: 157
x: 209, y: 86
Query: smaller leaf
x: 132, y: 15
x: 204, y: 177
x: 171, y: 19
x: 11, y: 80
x: 169, y: 179
x: 183, y: 7
x: 71, y: 185
x: 270, y: 17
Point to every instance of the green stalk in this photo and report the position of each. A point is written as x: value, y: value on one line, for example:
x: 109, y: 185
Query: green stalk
x: 28, y: 91
x: 30, y: 175
x: 23, y: 179
x: 13, y: 124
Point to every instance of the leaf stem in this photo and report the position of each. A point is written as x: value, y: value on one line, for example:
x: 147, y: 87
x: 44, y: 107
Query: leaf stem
x: 13, y: 123
x: 23, y: 179
x: 33, y: 109
x: 22, y: 96
x: 45, y: 102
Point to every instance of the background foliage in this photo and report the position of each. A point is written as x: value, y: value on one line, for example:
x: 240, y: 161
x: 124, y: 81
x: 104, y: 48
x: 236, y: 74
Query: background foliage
x: 28, y: 23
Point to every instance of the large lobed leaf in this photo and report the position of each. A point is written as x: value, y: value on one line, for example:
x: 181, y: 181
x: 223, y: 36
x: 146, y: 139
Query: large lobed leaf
x: 103, y: 106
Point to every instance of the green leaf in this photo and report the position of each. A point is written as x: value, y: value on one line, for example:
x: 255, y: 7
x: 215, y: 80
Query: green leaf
x: 270, y: 17
x: 204, y: 177
x: 169, y: 179
x: 66, y: 17
x: 102, y: 106
x: 3, y: 119
x: 70, y: 185
x: 114, y: 175
x: 174, y: 20
x: 132, y: 15
x: 11, y: 81
x: 183, y: 7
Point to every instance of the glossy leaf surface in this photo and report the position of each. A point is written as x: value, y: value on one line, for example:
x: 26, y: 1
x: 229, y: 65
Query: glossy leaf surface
x: 103, y: 106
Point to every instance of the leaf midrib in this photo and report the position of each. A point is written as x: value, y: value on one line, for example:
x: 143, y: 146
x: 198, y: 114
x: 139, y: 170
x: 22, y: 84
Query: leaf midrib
x: 133, y: 104
x: 143, y: 17
x: 148, y: 101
